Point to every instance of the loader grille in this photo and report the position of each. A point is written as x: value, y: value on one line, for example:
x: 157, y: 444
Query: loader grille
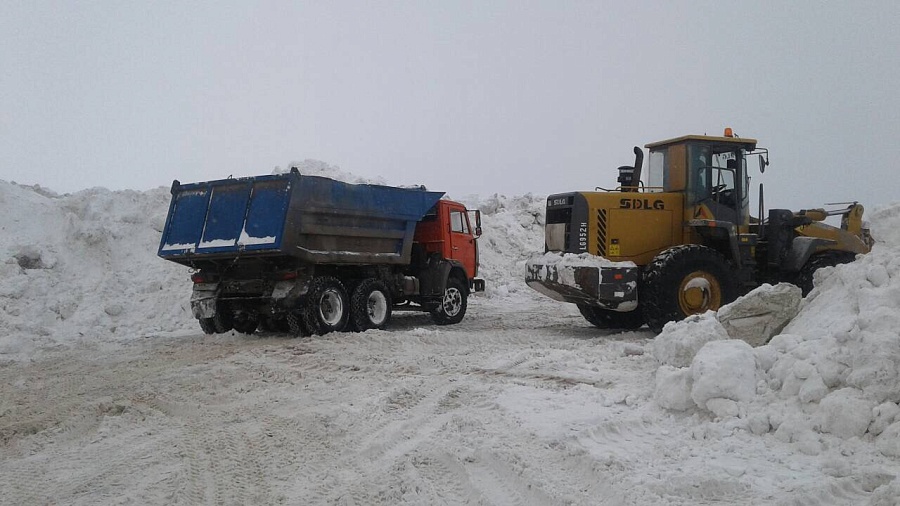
x: 601, y: 232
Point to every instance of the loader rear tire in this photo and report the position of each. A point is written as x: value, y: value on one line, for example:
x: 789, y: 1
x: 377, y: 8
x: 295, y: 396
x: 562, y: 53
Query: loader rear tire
x: 327, y: 308
x: 370, y: 306
x: 685, y: 280
x: 606, y: 319
x: 830, y: 259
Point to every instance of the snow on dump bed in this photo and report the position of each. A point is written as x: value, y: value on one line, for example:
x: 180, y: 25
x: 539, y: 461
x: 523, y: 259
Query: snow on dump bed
x: 830, y: 380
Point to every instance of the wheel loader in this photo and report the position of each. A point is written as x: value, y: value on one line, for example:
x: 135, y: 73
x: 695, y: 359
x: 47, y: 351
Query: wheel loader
x: 681, y: 240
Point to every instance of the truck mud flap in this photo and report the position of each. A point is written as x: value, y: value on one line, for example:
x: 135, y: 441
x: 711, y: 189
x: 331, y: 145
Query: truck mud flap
x: 203, y: 300
x: 613, y: 288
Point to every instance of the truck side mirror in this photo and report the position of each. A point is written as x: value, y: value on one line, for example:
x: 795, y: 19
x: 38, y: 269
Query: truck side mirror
x: 762, y: 164
x: 477, y: 216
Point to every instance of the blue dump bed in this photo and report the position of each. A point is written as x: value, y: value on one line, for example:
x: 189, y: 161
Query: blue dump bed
x: 314, y: 219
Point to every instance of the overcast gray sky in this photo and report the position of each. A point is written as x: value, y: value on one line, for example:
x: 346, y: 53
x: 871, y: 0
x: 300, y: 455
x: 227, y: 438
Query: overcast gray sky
x: 465, y: 97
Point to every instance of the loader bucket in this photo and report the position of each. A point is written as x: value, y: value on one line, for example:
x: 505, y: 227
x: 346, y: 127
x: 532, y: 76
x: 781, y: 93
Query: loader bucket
x: 584, y: 279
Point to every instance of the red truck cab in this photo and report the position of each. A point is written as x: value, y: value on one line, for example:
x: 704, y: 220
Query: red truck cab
x: 450, y: 230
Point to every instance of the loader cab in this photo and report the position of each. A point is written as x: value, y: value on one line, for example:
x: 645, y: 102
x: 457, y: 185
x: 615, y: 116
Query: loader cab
x: 710, y: 171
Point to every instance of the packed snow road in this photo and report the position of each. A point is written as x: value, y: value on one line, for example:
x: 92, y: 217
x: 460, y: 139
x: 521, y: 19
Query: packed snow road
x: 516, y: 405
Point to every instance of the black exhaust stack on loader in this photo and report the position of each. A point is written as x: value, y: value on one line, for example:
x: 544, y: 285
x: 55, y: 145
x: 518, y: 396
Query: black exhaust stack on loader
x: 630, y: 177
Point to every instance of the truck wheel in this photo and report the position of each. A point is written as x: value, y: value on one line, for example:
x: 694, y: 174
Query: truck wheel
x: 452, y: 308
x: 606, y: 319
x: 207, y: 325
x: 245, y: 322
x: 326, y: 308
x: 370, y: 306
x: 222, y: 319
x: 685, y: 280
x: 816, y: 262
x: 295, y: 324
x: 272, y: 324
x: 218, y: 324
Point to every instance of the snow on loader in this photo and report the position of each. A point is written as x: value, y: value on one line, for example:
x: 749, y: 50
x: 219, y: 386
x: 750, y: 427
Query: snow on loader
x: 682, y: 241
x: 311, y: 255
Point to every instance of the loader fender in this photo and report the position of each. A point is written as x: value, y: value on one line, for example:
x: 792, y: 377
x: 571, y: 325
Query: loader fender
x: 203, y: 300
x: 801, y: 249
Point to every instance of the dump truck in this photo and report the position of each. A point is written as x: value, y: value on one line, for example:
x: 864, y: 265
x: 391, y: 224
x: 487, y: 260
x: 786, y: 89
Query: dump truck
x: 311, y: 255
x: 681, y: 240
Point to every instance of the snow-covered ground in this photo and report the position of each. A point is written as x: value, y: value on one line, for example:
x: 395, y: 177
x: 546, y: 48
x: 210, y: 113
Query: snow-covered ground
x: 110, y: 394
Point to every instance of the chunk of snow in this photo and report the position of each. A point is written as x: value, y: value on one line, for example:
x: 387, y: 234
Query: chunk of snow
x: 724, y: 369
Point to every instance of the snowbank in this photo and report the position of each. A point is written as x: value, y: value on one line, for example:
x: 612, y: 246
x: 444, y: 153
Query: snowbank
x: 832, y: 372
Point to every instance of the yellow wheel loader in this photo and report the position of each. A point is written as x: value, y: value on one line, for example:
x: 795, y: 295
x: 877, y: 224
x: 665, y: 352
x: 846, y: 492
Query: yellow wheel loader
x: 682, y: 240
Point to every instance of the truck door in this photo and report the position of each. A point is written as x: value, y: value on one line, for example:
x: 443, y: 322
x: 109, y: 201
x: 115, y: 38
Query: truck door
x: 462, y: 242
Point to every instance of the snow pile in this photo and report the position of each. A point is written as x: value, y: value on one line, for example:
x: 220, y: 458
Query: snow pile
x: 831, y: 375
x: 84, y: 263
x: 513, y: 229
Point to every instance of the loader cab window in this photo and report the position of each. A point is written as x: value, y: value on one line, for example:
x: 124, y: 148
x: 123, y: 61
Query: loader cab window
x: 656, y: 171
x: 713, y: 175
x: 699, y: 159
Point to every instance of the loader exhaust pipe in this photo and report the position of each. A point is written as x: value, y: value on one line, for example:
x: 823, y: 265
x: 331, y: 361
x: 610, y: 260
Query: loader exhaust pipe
x: 630, y: 177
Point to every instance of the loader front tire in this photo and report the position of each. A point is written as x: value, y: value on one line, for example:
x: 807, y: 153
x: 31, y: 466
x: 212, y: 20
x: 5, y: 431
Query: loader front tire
x: 806, y: 275
x: 685, y: 280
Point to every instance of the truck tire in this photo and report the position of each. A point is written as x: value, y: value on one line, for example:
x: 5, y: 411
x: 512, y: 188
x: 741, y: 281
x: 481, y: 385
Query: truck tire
x: 370, y: 306
x: 274, y: 324
x: 327, y: 308
x: 218, y: 324
x: 207, y: 325
x: 452, y: 307
x: 245, y: 322
x: 606, y: 319
x: 685, y: 280
x: 816, y: 262
x: 295, y: 324
x: 221, y: 322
